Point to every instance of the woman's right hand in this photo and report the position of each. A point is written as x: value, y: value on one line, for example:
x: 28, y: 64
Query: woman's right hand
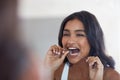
x: 55, y: 57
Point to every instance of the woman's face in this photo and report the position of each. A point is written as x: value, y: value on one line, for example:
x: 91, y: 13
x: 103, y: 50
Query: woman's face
x: 75, y: 40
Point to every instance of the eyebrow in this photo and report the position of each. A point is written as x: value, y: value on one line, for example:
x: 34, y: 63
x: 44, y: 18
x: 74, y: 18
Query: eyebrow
x: 75, y: 30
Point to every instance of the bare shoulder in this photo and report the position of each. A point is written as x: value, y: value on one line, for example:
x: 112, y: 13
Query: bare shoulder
x: 111, y: 74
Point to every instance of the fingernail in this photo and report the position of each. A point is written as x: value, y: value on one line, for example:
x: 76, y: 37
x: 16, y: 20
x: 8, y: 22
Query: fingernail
x: 54, y: 51
x: 58, y: 53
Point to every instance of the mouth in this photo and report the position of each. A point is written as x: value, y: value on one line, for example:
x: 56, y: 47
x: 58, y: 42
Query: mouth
x: 74, y: 51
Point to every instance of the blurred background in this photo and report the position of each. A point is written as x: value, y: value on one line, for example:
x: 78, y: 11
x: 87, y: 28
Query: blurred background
x: 40, y: 21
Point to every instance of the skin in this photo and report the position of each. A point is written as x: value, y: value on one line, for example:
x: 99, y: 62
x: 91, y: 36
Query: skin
x: 54, y: 58
x: 73, y: 37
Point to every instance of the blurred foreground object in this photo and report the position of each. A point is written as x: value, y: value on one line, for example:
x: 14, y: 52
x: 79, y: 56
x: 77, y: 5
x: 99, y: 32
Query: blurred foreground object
x: 15, y: 61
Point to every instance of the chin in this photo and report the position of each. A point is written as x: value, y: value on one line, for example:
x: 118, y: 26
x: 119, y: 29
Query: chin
x: 73, y: 61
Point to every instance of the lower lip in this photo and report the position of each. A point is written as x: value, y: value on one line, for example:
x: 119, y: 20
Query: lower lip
x: 73, y: 55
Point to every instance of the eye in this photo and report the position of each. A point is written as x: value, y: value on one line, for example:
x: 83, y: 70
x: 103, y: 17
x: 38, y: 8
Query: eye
x: 80, y: 35
x: 66, y: 34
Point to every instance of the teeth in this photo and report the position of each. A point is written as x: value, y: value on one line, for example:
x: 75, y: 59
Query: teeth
x: 70, y: 52
x: 72, y: 48
x: 73, y: 51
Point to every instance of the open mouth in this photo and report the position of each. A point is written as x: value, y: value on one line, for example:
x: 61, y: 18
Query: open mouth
x: 74, y: 51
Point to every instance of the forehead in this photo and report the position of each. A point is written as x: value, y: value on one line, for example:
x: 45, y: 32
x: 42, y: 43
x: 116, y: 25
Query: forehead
x: 74, y: 24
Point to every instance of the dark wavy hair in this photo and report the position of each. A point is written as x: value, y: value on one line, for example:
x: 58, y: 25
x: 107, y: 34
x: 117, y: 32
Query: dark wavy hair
x: 94, y: 34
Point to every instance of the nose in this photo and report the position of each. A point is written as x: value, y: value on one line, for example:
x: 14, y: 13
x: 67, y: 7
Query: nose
x: 71, y: 40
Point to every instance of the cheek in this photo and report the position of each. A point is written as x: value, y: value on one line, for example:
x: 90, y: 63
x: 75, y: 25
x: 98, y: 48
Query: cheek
x: 85, y: 46
x: 64, y: 41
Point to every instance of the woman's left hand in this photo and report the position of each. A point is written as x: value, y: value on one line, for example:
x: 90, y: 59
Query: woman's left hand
x: 96, y: 68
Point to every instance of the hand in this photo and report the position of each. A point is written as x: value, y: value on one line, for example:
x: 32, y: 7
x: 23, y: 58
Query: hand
x: 55, y: 57
x: 96, y: 68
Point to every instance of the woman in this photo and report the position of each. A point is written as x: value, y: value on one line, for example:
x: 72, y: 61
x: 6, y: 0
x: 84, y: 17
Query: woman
x: 81, y: 52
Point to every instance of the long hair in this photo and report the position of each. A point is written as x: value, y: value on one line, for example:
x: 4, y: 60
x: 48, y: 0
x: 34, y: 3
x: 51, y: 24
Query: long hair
x: 94, y: 34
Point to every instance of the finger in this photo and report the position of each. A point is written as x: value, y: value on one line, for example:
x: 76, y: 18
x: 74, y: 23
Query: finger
x: 92, y: 62
x: 56, y: 49
x: 90, y: 59
x: 60, y: 50
x: 52, y: 48
x: 64, y: 55
x: 99, y: 63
